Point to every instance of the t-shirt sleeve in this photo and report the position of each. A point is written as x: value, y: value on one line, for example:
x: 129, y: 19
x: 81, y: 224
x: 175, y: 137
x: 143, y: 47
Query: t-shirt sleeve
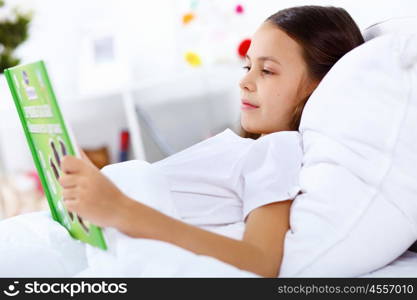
x: 270, y: 171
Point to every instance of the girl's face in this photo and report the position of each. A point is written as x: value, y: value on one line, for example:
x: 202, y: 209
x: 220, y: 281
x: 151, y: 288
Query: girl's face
x: 275, y: 82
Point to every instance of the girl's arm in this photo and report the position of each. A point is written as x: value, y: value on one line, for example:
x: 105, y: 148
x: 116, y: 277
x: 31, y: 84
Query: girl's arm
x: 94, y: 197
x: 260, y: 251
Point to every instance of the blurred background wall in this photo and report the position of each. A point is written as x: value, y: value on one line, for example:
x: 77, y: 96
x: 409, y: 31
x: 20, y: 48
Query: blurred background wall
x: 166, y: 71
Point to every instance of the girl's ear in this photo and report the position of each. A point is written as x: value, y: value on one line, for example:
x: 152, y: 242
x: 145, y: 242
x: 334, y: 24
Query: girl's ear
x: 312, y: 85
x: 316, y: 83
x: 308, y: 88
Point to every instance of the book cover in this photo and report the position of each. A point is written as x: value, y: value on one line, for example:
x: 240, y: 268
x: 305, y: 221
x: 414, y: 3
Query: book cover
x: 49, y: 139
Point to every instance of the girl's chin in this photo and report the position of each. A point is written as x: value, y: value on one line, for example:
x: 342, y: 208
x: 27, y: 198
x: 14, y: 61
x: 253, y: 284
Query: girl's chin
x: 250, y: 129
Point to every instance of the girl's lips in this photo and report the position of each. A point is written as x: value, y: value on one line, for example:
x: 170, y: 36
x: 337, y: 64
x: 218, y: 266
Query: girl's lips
x: 246, y: 105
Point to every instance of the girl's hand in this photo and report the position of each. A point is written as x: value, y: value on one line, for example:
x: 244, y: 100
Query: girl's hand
x: 89, y: 193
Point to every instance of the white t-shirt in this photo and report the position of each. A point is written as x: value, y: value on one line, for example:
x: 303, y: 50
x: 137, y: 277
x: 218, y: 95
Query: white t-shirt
x: 220, y: 180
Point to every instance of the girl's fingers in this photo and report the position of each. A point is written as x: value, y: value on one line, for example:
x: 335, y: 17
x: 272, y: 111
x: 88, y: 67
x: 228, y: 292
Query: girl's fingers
x: 71, y: 205
x: 71, y: 164
x: 68, y: 181
x: 69, y: 194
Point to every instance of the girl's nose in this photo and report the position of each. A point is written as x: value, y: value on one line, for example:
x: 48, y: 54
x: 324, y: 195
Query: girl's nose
x: 247, y: 84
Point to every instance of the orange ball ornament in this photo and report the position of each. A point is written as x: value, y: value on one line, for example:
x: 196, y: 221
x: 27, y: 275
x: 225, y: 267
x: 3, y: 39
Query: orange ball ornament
x: 187, y: 18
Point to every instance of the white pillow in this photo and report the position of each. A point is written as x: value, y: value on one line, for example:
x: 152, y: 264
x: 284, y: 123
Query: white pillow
x: 358, y: 210
x: 391, y: 26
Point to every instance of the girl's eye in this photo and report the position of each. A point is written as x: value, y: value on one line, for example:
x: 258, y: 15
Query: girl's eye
x: 266, y: 72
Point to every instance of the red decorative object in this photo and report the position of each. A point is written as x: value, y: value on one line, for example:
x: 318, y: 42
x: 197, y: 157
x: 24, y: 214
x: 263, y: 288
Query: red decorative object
x: 124, y: 145
x: 124, y: 140
x: 239, y: 9
x: 243, y: 47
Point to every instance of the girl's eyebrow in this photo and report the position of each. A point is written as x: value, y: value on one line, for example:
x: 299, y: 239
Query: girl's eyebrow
x: 263, y: 58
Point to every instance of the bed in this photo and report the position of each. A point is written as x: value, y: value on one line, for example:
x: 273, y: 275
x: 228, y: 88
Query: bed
x: 372, y: 245
x: 404, y: 266
x: 33, y: 245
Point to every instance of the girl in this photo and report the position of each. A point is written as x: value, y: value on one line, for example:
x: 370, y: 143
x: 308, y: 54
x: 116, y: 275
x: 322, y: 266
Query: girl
x: 229, y: 179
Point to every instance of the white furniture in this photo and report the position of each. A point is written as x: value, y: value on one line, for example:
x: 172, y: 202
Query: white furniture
x: 168, y: 115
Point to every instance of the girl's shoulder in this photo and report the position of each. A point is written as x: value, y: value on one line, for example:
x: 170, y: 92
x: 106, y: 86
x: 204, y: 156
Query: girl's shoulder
x: 228, y: 148
x: 225, y: 143
x: 281, y: 141
x: 282, y: 136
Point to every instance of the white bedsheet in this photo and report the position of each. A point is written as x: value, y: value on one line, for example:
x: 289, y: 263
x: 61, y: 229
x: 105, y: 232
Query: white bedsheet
x: 152, y: 258
x: 33, y: 245
x: 404, y: 266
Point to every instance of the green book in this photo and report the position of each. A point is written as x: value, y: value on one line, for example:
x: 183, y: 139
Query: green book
x: 49, y: 140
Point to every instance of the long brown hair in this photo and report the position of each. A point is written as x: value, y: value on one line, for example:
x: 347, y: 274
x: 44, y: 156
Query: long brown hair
x: 325, y: 34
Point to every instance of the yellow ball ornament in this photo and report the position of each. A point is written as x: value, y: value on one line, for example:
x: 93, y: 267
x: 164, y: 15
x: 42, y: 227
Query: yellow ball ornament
x: 193, y: 59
